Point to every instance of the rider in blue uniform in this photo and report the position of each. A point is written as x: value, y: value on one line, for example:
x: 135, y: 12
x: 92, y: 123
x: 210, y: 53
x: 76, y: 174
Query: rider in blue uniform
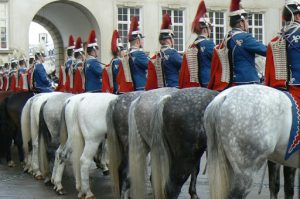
x: 171, y: 59
x: 118, y: 52
x: 202, y: 27
x: 22, y: 66
x: 139, y: 60
x: 41, y: 81
x: 92, y: 67
x: 70, y: 52
x: 242, y: 47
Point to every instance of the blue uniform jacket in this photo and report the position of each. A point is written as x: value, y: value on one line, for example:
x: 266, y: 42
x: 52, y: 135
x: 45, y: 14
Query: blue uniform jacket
x: 292, y: 36
x: 115, y: 70
x: 41, y: 80
x: 68, y: 64
x: 22, y: 70
x: 171, y: 64
x: 93, y: 75
x: 205, y: 53
x: 139, y: 68
x: 243, y: 48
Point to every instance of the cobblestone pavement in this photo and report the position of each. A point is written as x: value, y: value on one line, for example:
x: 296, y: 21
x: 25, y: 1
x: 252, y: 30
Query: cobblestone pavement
x: 18, y: 185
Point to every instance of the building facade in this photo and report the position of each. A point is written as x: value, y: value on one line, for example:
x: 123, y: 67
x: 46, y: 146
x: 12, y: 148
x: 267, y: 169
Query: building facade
x: 64, y: 17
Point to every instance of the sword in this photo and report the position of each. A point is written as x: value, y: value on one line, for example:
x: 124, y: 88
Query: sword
x: 262, y: 178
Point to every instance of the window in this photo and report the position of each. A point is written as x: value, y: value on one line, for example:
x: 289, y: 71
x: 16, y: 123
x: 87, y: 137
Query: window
x: 256, y: 26
x: 124, y: 17
x: 218, y: 19
x: 177, y: 17
x: 4, y: 25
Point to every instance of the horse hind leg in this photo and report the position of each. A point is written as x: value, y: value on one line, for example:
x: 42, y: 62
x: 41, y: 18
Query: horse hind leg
x: 289, y: 182
x: 274, y: 179
x: 86, y: 158
x: 194, y: 175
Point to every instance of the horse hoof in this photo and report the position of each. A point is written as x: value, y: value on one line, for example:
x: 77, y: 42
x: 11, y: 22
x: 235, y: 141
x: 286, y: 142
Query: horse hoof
x: 47, y: 182
x: 60, y: 192
x: 90, y: 197
x: 11, y: 164
x: 38, y: 177
x: 194, y: 196
x: 106, y: 173
x: 80, y: 195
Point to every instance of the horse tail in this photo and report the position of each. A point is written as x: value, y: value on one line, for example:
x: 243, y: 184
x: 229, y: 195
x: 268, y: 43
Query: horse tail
x: 160, y: 165
x: 219, y: 169
x: 43, y: 141
x: 25, y: 128
x: 78, y: 140
x: 114, y: 151
x: 63, y: 131
x: 137, y: 155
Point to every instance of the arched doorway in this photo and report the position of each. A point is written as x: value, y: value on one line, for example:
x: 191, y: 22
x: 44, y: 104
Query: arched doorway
x: 61, y: 19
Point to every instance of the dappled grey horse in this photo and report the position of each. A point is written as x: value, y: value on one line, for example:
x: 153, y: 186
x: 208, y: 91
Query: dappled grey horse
x: 117, y: 139
x: 179, y: 140
x: 245, y: 126
x: 140, y: 137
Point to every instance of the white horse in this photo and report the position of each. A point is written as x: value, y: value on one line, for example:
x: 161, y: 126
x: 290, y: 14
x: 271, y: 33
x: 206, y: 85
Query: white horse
x: 30, y: 126
x: 85, y: 127
x: 245, y: 126
x: 49, y: 129
x: 67, y: 127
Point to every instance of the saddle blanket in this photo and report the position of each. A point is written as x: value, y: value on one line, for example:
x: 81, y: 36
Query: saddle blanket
x: 294, y: 140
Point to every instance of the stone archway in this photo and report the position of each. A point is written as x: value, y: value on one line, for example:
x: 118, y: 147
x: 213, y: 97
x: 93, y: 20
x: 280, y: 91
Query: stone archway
x: 56, y: 36
x: 62, y: 18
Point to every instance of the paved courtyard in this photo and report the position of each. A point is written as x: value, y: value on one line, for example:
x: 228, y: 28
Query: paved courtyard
x: 14, y: 184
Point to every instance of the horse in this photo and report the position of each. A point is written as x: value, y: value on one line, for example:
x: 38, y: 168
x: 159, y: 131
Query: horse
x: 140, y: 136
x: 12, y: 115
x: 83, y: 134
x: 274, y: 180
x: 88, y: 136
x: 5, y: 140
x: 64, y: 150
x: 246, y: 126
x: 30, y: 125
x: 179, y: 141
x: 117, y: 140
x: 48, y: 132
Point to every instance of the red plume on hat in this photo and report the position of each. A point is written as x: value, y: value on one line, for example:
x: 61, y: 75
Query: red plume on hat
x: 235, y: 5
x: 114, y: 42
x: 235, y: 8
x: 71, y: 42
x: 92, y: 41
x: 134, y: 28
x: 167, y: 22
x: 200, y: 14
x: 78, y: 46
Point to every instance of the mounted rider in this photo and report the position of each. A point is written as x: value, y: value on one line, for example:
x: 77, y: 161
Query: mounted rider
x: 110, y: 73
x: 30, y: 71
x: 77, y: 83
x: 283, y: 64
x: 92, y: 67
x: 283, y: 61
x: 5, y: 77
x: 233, y: 60
x: 41, y: 81
x: 196, y: 65
x: 13, y: 73
x: 22, y: 74
x: 69, y: 63
x: 138, y: 60
x: 164, y: 66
